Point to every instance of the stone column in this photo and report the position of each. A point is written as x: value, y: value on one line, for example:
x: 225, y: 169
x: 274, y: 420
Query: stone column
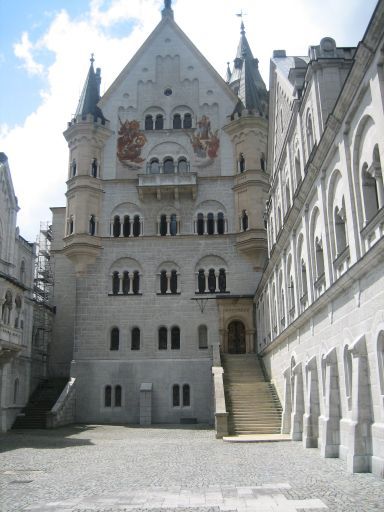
x: 287, y: 405
x: 329, y: 422
x: 298, y: 404
x: 311, y: 404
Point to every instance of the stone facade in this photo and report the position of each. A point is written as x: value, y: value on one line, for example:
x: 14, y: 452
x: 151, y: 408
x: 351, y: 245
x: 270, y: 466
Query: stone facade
x: 320, y: 303
x: 163, y: 240
x: 16, y: 281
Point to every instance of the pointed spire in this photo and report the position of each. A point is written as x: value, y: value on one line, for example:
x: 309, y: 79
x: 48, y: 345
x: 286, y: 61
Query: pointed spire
x: 167, y: 12
x: 245, y: 78
x: 91, y: 94
x: 229, y: 74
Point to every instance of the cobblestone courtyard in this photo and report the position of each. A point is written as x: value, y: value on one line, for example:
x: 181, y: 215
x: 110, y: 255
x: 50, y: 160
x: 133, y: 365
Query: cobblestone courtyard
x: 116, y: 468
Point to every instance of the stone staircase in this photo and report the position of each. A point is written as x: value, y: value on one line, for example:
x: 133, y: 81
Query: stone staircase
x: 34, y: 415
x: 251, y: 401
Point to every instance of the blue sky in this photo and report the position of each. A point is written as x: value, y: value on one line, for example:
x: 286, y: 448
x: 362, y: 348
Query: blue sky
x: 44, y: 58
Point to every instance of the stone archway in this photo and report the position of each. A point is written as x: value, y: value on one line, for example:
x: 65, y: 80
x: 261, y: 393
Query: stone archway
x: 236, y: 338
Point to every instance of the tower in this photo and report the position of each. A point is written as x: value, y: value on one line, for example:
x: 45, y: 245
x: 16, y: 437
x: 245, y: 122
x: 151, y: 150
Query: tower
x: 248, y: 129
x: 86, y: 135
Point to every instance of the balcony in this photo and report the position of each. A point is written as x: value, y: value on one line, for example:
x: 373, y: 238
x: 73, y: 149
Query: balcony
x: 162, y: 184
x: 11, y: 343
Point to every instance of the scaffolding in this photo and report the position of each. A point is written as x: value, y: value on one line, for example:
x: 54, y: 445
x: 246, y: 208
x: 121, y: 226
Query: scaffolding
x: 42, y: 296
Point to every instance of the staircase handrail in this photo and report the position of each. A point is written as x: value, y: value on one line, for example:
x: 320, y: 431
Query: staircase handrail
x: 56, y: 416
x: 221, y: 414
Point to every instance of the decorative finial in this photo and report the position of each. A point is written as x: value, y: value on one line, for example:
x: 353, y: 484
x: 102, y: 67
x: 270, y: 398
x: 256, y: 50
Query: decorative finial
x: 242, y: 27
x: 167, y: 11
x: 92, y: 59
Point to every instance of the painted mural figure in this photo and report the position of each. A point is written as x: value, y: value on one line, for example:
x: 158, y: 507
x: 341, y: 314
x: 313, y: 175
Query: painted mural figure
x: 204, y: 142
x: 130, y: 143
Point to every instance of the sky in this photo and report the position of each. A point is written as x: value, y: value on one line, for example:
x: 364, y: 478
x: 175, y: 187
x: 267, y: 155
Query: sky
x: 45, y: 46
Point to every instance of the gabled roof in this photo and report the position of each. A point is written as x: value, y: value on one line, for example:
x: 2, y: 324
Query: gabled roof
x: 90, y: 95
x: 4, y: 168
x: 167, y: 19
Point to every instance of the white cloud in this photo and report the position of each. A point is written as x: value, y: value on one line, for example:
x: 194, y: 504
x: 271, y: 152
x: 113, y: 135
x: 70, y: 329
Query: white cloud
x: 24, y: 51
x: 37, y: 151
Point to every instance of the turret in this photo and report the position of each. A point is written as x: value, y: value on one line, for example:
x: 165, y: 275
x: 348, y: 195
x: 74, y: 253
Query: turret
x: 86, y: 135
x: 248, y: 129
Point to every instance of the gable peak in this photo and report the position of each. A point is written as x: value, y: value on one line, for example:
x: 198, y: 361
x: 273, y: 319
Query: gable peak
x: 167, y: 12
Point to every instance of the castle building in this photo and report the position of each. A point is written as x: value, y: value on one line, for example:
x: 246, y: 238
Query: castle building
x: 207, y: 218
x: 16, y: 305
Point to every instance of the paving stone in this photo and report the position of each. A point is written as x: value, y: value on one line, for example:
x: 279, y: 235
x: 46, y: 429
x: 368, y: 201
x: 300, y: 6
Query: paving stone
x: 117, y: 468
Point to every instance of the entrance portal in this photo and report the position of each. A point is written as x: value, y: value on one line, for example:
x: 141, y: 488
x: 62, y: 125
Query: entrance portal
x: 236, y: 338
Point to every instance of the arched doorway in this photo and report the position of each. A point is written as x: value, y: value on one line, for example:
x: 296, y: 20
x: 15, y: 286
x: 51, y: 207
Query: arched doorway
x: 236, y: 338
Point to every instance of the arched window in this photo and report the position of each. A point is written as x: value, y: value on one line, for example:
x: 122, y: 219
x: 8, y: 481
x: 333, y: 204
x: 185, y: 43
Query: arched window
x: 163, y: 335
x: 220, y: 223
x: 22, y: 271
x: 73, y: 167
x: 370, y: 196
x: 18, y: 304
x: 173, y: 225
x: 210, y: 224
x: 201, y: 281
x: 211, y: 280
x: 187, y: 122
x: 163, y: 225
x: 115, y: 339
x: 126, y: 226
x: 262, y: 162
x: 16, y: 391
x: 159, y: 122
x: 319, y: 255
x: 126, y: 283
x: 340, y: 229
x: 136, y: 282
x: 116, y: 230
x: 148, y: 122
x: 186, y: 395
x: 241, y: 162
x: 135, y: 339
x: 175, y: 338
x: 177, y: 121
x: 173, y: 281
x: 291, y: 296
x: 169, y: 166
x: 92, y: 225
x: 108, y: 396
x: 287, y: 195
x: 200, y: 224
x: 182, y: 165
x: 244, y: 220
x: 222, y: 280
x: 154, y: 166
x: 115, y: 283
x: 304, y: 285
x: 136, y: 229
x: 176, y: 395
x: 7, y: 308
x: 163, y: 282
x: 203, y: 337
x: 94, y: 167
x: 297, y: 169
x: 118, y: 396
x: 282, y: 308
x: 310, y: 138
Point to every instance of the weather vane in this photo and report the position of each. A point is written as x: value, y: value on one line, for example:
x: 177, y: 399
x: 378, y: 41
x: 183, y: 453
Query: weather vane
x: 241, y: 14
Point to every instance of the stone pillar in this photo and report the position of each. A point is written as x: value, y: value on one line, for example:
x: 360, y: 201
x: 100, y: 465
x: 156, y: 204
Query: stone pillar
x: 329, y: 422
x: 312, y: 406
x: 360, y: 436
x: 146, y: 403
x: 298, y: 404
x: 287, y: 405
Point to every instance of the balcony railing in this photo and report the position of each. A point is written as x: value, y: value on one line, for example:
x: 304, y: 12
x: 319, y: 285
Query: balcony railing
x: 175, y: 183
